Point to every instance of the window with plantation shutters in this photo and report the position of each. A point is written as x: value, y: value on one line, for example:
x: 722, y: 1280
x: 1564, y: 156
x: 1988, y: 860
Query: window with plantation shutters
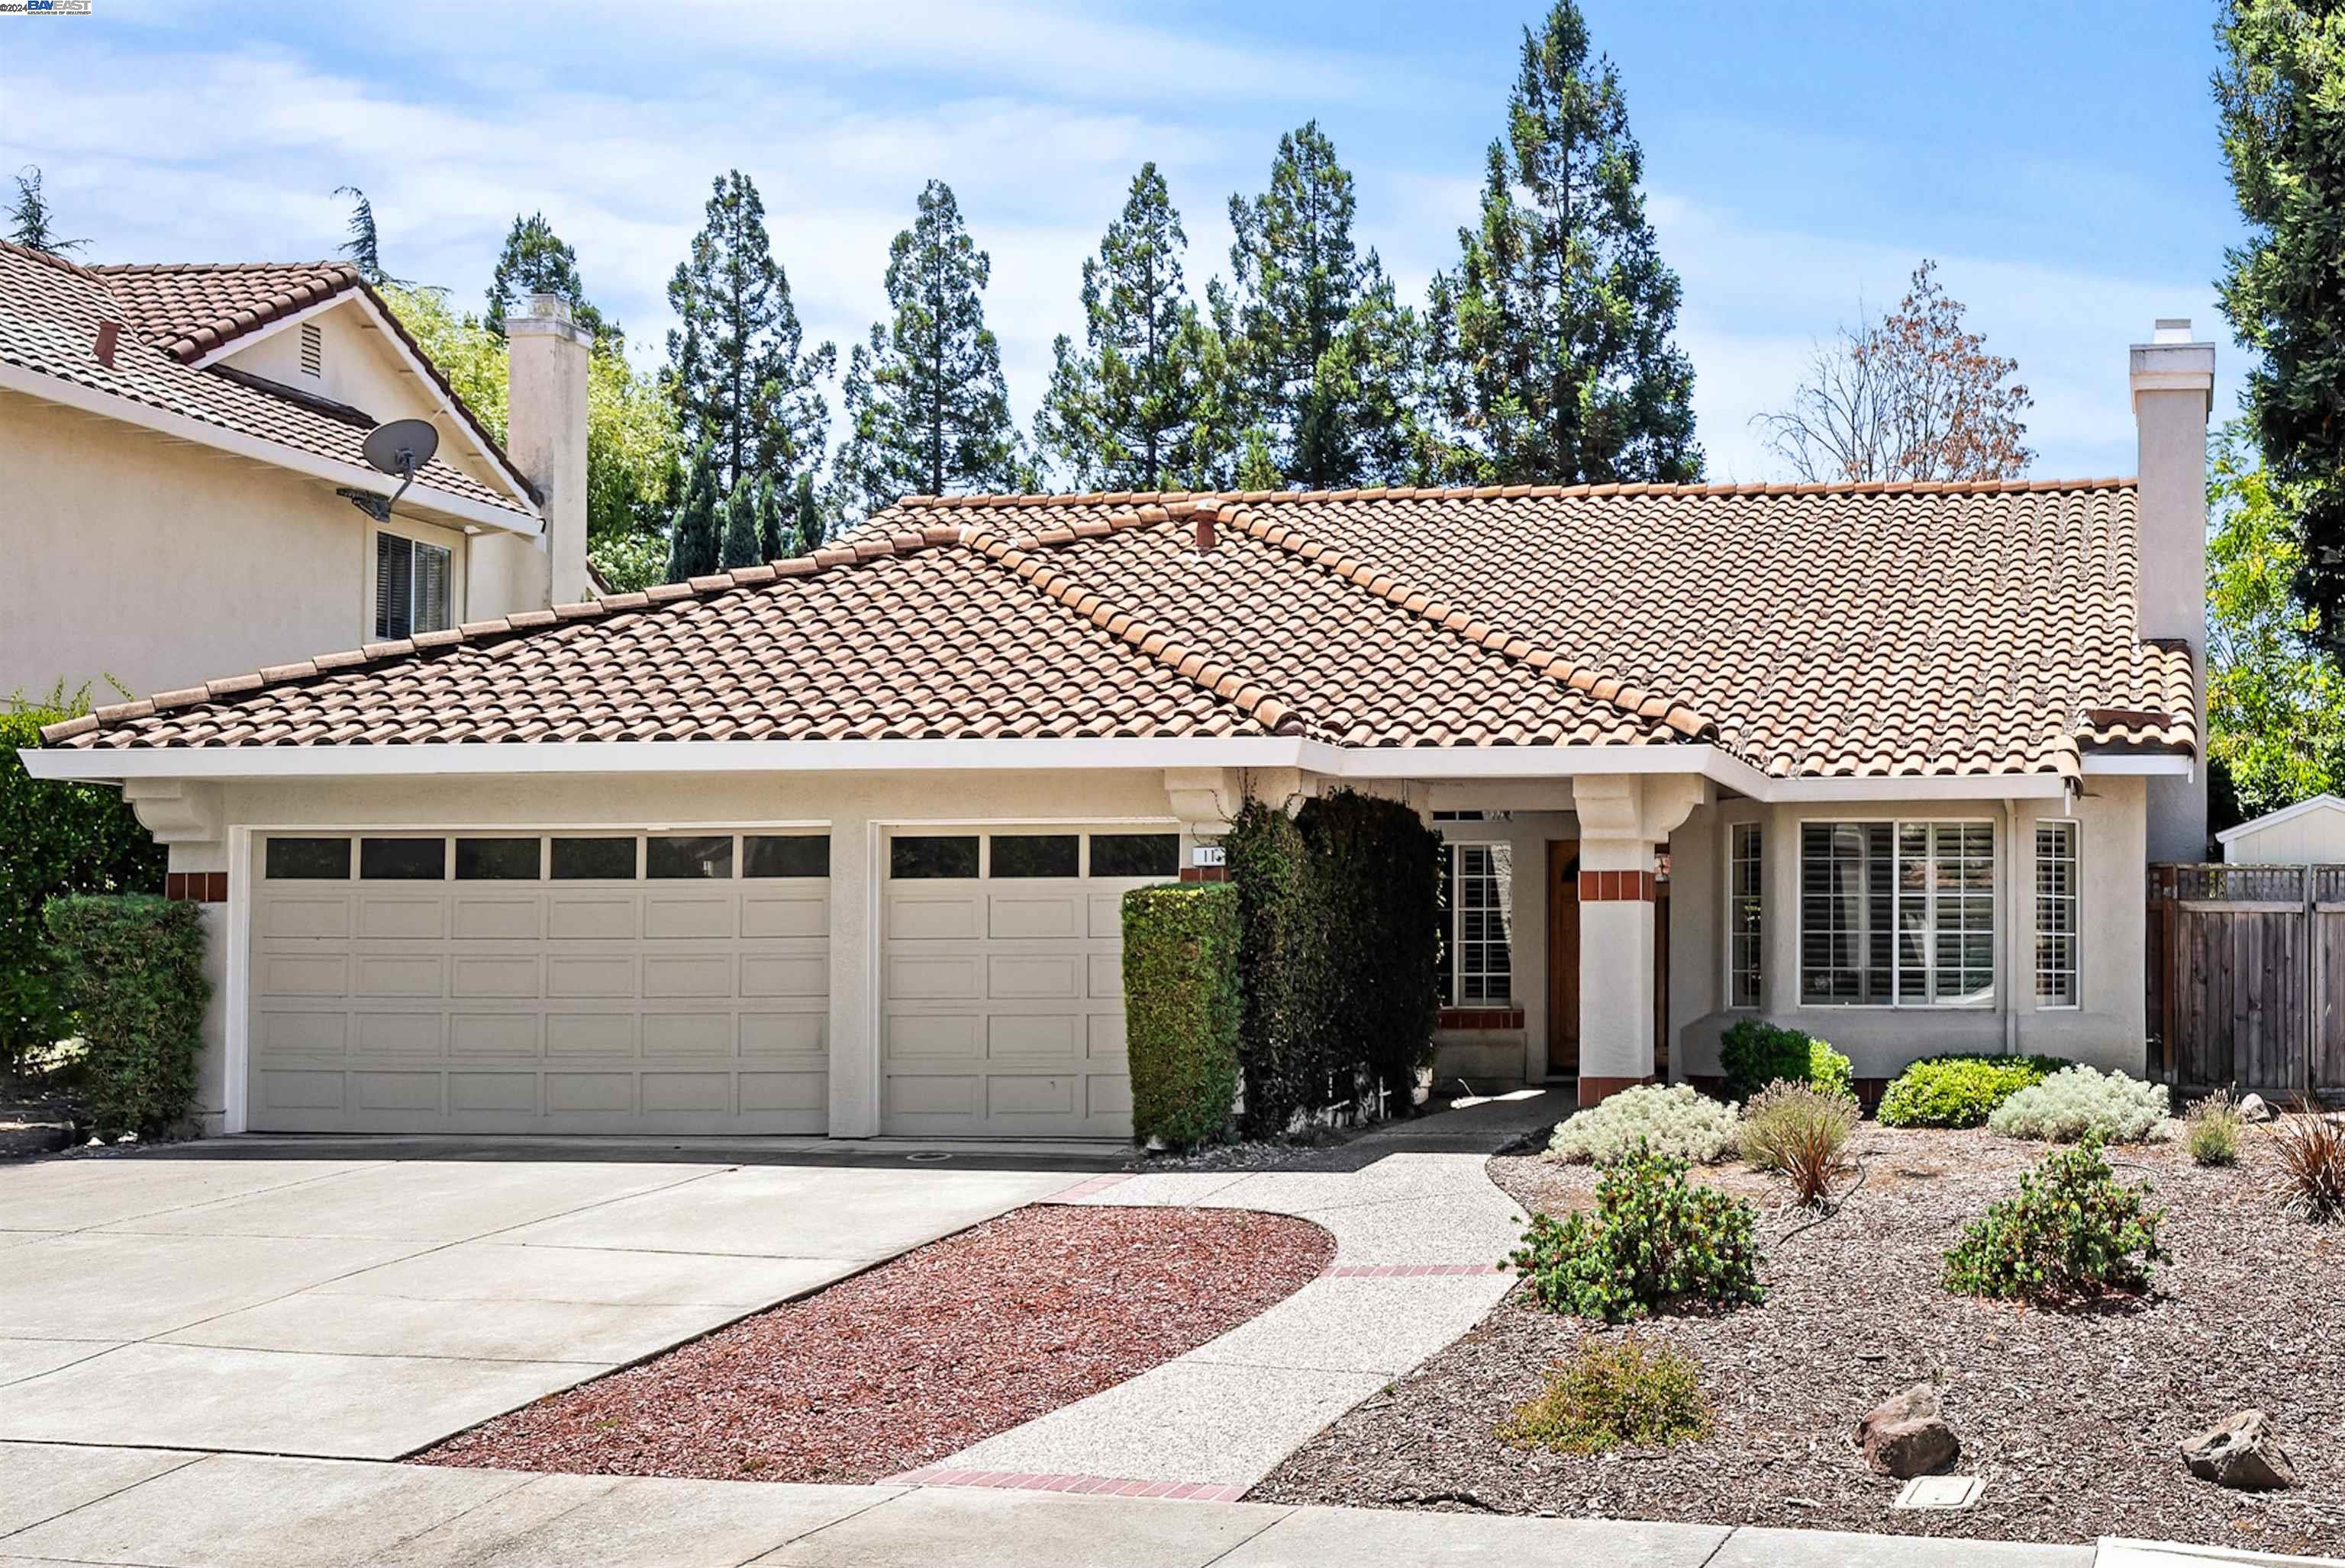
x: 412, y: 586
x: 1897, y: 914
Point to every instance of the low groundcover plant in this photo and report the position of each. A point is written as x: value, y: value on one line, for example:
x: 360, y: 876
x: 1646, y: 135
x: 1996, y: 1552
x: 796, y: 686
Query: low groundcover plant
x: 2071, y: 1233
x: 1655, y: 1241
x: 1675, y: 1119
x: 2077, y: 1101
x: 1611, y: 1396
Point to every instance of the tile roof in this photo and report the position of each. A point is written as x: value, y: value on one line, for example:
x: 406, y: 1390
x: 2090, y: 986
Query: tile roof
x: 1832, y: 631
x: 50, y: 311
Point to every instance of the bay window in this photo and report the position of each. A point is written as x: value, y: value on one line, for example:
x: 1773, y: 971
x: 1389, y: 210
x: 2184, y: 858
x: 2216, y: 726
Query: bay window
x: 1898, y: 914
x: 1478, y: 906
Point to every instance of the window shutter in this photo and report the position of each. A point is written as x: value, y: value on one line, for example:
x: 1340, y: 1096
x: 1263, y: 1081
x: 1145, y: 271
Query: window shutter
x: 433, y: 566
x: 394, y: 586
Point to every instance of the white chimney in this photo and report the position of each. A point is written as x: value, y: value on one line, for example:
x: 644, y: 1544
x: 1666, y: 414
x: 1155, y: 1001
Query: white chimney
x: 2173, y: 380
x: 546, y: 433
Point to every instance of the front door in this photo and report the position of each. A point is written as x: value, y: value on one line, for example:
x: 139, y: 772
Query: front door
x: 1563, y: 959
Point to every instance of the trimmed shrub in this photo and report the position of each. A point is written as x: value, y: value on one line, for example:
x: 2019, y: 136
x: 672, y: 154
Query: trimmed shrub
x: 1372, y: 995
x: 54, y: 839
x: 1800, y: 1132
x: 2071, y: 1233
x: 2077, y: 1101
x: 1754, y: 1054
x: 2215, y: 1127
x: 1656, y: 1240
x: 1674, y: 1119
x: 1278, y: 1055
x: 1959, y: 1090
x: 1613, y: 1395
x: 132, y: 968
x: 1181, y: 1010
x: 2311, y: 1150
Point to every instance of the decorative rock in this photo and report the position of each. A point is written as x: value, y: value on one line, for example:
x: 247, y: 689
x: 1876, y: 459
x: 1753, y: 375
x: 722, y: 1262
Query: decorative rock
x: 1906, y: 1437
x: 2255, y: 1108
x: 2240, y: 1452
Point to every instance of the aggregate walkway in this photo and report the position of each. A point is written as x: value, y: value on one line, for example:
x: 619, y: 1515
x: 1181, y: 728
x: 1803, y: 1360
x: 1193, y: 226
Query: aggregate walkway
x: 1419, y: 1232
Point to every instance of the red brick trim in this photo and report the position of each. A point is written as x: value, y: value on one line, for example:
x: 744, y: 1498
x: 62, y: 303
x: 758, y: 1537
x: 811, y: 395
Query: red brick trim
x: 1481, y: 1018
x: 1594, y: 1091
x: 196, y: 887
x: 1097, y: 1485
x: 1204, y: 874
x: 1408, y: 1271
x: 1617, y: 887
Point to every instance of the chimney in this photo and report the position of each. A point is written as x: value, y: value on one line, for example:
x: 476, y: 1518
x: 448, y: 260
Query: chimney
x: 2173, y: 378
x: 545, y: 433
x: 1204, y: 515
x: 108, y: 335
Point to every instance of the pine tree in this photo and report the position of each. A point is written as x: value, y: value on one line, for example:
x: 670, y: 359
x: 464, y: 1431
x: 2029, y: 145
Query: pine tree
x: 806, y: 511
x: 740, y: 543
x: 364, y: 246
x: 537, y: 261
x: 696, y: 538
x: 771, y: 544
x: 1119, y: 416
x: 1552, y: 338
x: 929, y: 410
x: 742, y: 381
x: 1315, y: 370
x: 32, y: 224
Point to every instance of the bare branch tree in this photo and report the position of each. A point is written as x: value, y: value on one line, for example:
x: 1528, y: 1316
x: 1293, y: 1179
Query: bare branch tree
x: 1913, y: 395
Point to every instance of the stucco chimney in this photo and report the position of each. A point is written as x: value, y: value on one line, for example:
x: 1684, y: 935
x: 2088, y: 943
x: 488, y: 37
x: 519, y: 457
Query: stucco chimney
x: 546, y: 431
x: 2173, y: 378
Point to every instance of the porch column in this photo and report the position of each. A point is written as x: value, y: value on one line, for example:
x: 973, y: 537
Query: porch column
x: 1625, y: 821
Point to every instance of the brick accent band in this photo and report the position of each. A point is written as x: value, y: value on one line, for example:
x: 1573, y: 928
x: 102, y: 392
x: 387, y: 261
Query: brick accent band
x: 196, y: 887
x: 1594, y: 1091
x: 1617, y: 887
x: 1204, y: 874
x: 1097, y: 1485
x: 1408, y: 1271
x: 1097, y: 1184
x: 1481, y: 1018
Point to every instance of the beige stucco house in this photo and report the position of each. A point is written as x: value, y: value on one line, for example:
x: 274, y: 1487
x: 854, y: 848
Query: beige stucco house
x: 178, y: 448
x: 836, y: 845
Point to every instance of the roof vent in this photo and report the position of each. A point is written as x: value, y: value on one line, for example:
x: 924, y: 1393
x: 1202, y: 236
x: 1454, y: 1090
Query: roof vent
x: 108, y: 335
x: 1204, y: 517
x: 313, y: 349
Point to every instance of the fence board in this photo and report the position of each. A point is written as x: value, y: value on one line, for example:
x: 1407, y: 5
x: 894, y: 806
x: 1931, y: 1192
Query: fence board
x: 2246, y: 976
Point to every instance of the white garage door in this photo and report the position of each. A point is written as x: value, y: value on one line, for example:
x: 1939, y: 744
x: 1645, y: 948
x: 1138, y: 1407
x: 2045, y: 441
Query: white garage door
x: 541, y: 983
x: 1002, y: 989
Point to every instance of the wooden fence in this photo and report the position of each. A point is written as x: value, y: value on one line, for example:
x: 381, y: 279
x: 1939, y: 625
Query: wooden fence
x: 2247, y: 977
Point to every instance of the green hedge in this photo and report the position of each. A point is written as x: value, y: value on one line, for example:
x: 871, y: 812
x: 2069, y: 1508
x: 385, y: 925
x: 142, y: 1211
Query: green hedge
x: 1181, y: 1010
x: 1959, y: 1090
x: 1278, y: 1048
x: 1372, y: 987
x: 132, y: 971
x: 54, y: 839
x: 1756, y: 1054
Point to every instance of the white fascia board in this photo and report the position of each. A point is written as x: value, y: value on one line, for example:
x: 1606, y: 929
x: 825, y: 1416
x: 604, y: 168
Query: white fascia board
x: 407, y: 357
x: 2158, y: 765
x: 621, y: 757
x: 277, y: 454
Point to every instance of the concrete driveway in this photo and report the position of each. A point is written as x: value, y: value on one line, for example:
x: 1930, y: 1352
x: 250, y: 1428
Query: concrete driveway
x: 349, y: 1307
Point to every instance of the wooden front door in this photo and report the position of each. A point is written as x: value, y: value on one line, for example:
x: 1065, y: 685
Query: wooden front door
x: 1563, y: 959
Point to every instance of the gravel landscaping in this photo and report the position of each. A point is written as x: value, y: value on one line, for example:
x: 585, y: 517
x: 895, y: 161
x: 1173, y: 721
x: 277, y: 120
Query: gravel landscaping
x: 2071, y: 1419
x: 921, y: 1357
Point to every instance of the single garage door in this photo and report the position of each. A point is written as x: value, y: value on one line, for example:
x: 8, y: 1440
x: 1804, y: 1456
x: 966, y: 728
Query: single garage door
x: 521, y: 982
x: 1002, y: 986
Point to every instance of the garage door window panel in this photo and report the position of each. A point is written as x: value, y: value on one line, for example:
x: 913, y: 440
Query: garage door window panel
x: 499, y: 859
x: 932, y: 858
x: 594, y: 860
x: 1135, y: 854
x: 791, y: 855
x: 1026, y: 855
x: 403, y: 859
x: 701, y: 858
x: 308, y: 859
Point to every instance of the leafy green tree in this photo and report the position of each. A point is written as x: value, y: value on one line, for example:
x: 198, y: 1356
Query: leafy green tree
x: 1551, y: 340
x: 930, y: 411
x: 633, y: 455
x: 2281, y: 91
x: 1319, y: 354
x: 1120, y: 413
x: 696, y: 538
x: 744, y: 383
x: 2274, y: 696
x: 364, y: 246
x: 537, y: 261
x: 32, y: 223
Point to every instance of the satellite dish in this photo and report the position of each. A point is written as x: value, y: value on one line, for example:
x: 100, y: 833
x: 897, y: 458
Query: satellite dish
x: 400, y: 449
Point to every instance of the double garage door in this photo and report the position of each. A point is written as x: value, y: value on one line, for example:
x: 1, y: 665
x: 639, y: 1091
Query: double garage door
x: 552, y: 983
x: 651, y: 982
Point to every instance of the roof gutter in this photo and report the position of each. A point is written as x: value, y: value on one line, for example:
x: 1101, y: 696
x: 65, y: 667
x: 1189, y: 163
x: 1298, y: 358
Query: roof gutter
x: 581, y: 758
x: 276, y: 455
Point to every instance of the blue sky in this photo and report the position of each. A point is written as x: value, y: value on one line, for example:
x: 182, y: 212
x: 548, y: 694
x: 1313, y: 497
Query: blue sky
x: 2059, y: 161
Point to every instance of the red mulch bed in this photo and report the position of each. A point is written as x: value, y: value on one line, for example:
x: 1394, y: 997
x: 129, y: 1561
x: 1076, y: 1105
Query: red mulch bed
x: 921, y: 1357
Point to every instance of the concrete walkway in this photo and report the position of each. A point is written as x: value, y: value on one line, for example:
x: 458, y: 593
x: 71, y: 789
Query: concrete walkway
x: 1419, y: 1232
x: 165, y: 1509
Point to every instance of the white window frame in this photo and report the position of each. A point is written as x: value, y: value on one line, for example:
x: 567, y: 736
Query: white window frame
x: 1756, y: 932
x: 1997, y: 905
x: 2049, y: 903
x: 1454, y: 970
x: 377, y: 629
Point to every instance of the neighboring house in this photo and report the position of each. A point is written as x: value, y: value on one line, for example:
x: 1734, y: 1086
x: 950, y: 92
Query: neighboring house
x: 2309, y: 833
x: 175, y: 443
x: 836, y: 845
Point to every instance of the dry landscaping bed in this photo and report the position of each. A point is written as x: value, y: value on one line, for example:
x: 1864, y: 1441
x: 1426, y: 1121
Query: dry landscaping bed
x: 921, y: 1357
x: 2072, y: 1419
